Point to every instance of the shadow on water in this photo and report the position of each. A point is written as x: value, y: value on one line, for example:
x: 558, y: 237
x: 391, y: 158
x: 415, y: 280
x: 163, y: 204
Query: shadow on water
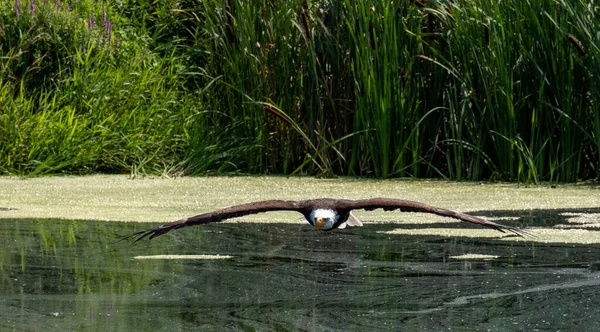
x: 73, y: 275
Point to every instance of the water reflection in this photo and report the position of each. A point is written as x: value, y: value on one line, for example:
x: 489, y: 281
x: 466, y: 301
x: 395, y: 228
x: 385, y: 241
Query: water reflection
x: 74, y: 275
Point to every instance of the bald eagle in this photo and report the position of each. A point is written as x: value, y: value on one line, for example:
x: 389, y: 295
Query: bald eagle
x: 324, y: 214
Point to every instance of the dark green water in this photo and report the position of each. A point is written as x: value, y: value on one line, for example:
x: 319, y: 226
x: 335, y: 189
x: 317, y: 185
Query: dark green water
x: 62, y: 275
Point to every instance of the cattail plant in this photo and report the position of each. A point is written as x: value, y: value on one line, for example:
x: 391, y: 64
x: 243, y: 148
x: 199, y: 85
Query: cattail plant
x: 304, y: 20
x: 229, y: 24
x: 577, y: 45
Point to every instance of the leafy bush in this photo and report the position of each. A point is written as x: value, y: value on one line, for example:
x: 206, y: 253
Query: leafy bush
x: 76, y: 100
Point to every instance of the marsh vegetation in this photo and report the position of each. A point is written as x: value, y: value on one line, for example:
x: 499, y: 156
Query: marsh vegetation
x: 452, y: 89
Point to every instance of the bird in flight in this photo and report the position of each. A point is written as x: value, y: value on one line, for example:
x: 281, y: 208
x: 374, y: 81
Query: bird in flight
x: 324, y: 214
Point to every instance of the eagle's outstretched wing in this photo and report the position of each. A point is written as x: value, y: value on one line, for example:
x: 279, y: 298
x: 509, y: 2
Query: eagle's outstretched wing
x: 305, y: 207
x: 220, y: 215
x: 388, y: 204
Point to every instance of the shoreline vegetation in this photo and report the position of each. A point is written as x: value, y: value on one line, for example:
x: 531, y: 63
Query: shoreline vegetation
x: 461, y: 90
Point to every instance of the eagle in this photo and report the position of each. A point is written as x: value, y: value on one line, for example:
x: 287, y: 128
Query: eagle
x: 324, y: 214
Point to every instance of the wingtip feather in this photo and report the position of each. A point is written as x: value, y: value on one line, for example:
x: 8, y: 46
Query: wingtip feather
x: 154, y: 232
x: 520, y: 232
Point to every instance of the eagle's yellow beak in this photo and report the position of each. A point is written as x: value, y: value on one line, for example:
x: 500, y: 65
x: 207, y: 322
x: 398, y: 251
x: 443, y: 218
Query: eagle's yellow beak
x: 319, y: 223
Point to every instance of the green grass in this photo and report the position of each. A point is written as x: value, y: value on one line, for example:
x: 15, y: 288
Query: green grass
x: 471, y: 90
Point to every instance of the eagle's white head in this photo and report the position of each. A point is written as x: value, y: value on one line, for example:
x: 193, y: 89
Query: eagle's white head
x: 324, y: 219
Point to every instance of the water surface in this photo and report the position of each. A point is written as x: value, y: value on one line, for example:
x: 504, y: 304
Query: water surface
x: 60, y: 275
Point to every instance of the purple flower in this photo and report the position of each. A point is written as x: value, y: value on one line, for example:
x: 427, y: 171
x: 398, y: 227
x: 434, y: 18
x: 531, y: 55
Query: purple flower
x: 18, y: 7
x: 108, y: 28
x: 31, y: 6
x: 91, y: 22
x: 57, y: 3
x: 103, y: 16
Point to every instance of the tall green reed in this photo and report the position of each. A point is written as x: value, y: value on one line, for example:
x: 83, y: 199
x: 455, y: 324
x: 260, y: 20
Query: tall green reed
x: 524, y: 84
x: 382, y: 65
x: 263, y: 52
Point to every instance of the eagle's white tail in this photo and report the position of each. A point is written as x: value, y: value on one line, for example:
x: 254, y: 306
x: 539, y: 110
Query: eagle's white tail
x: 353, y: 221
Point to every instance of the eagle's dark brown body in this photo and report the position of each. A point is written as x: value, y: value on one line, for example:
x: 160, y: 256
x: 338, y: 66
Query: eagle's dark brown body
x: 341, y: 207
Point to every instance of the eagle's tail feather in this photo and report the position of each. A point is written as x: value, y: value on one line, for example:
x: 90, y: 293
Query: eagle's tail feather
x: 353, y: 221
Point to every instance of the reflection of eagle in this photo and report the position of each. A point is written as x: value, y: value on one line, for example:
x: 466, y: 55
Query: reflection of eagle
x: 324, y: 214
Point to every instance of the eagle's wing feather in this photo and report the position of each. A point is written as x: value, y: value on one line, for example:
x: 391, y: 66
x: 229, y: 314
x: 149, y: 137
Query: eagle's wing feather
x: 388, y: 204
x: 220, y: 215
